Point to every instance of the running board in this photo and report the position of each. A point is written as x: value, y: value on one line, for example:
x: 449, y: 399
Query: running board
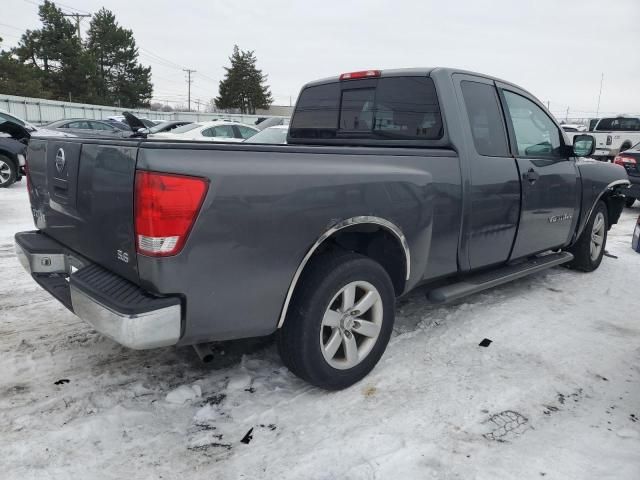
x: 477, y: 283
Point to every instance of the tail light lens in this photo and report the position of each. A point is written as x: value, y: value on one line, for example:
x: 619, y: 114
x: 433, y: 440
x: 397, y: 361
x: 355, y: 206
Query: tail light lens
x: 609, y: 140
x: 166, y: 206
x: 624, y: 159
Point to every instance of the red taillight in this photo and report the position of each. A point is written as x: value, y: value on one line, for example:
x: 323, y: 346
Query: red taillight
x: 624, y: 159
x: 165, y: 208
x: 361, y: 74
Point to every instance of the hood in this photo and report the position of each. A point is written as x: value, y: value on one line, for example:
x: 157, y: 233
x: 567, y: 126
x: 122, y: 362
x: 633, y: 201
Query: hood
x: 134, y: 122
x: 14, y: 131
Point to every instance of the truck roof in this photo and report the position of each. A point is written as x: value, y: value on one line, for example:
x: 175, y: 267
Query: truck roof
x: 415, y: 72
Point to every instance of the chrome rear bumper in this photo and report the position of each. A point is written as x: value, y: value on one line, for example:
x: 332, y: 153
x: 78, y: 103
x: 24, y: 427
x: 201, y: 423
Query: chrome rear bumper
x: 53, y: 267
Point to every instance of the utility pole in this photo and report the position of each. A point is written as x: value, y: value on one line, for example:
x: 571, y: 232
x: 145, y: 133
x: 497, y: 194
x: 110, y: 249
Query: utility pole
x: 599, y: 95
x: 78, y: 17
x: 566, y: 117
x: 189, y: 81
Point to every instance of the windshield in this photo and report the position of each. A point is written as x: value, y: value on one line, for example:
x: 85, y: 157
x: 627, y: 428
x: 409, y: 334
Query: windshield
x: 269, y: 135
x: 186, y: 128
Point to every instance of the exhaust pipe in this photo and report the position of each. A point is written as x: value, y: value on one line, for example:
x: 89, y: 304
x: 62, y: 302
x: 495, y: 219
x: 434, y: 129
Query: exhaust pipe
x: 204, y: 351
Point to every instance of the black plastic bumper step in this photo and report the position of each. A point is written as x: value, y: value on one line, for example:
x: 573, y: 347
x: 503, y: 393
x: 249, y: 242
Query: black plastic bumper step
x: 117, y: 293
x: 482, y: 281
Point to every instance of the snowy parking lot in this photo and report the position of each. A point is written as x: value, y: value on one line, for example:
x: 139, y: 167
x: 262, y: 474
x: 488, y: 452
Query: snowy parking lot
x: 555, y: 395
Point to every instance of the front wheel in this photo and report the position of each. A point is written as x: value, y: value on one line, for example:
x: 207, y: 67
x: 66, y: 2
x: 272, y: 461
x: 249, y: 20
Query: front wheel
x: 339, y: 321
x: 8, y: 172
x: 589, y: 249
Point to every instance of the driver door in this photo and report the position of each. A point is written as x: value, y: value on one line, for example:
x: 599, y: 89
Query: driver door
x: 549, y: 179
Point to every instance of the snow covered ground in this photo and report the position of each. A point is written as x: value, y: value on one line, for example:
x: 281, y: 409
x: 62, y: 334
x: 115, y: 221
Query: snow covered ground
x: 556, y: 395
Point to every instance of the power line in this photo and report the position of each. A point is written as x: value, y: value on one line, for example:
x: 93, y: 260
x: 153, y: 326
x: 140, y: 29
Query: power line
x: 13, y: 27
x: 68, y: 7
x: 78, y: 17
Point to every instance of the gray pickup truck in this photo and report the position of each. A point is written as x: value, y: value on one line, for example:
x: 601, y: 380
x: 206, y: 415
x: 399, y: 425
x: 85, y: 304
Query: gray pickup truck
x: 443, y: 178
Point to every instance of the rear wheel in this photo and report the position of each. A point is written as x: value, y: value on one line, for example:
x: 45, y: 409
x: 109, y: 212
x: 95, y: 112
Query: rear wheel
x: 339, y: 322
x: 629, y: 201
x: 8, y: 172
x: 589, y: 249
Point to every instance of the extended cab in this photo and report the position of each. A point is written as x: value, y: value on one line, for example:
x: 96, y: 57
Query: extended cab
x: 390, y: 179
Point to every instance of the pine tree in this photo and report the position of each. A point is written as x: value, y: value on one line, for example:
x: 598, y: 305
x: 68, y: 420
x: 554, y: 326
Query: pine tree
x: 55, y: 50
x: 52, y: 62
x: 244, y: 86
x: 16, y: 78
x: 118, y: 77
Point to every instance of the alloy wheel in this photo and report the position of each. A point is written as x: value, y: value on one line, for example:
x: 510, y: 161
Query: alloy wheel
x: 351, y: 325
x: 597, y: 236
x: 5, y: 172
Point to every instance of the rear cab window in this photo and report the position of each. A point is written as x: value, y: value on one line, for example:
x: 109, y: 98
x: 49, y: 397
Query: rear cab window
x: 386, y: 108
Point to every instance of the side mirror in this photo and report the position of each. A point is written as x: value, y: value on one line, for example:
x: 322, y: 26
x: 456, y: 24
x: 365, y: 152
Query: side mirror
x: 583, y: 145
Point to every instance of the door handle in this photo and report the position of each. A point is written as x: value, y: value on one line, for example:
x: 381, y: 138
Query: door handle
x: 532, y: 176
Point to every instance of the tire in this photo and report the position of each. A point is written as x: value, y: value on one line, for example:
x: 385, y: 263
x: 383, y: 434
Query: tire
x: 8, y: 172
x: 629, y: 201
x: 585, y: 259
x: 317, y: 321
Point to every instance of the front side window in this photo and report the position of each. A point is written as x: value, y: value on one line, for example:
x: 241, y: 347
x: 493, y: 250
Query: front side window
x: 485, y: 119
x: 536, y: 134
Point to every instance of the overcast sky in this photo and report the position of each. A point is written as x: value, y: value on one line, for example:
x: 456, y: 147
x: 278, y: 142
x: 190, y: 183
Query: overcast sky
x: 557, y: 49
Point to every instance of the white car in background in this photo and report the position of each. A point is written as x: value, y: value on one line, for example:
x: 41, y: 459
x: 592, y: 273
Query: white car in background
x: 276, y: 135
x: 573, y: 127
x: 215, y: 131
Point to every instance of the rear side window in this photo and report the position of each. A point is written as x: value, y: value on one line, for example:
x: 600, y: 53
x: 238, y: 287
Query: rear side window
x: 485, y: 119
x: 224, y: 131
x: 620, y: 124
x: 394, y: 108
x: 245, y: 132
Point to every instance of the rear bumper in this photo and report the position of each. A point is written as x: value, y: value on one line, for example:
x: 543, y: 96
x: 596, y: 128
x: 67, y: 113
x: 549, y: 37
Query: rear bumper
x: 111, y: 304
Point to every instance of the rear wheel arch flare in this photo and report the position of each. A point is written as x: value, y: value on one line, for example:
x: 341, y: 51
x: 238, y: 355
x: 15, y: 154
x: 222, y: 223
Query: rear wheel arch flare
x: 382, y: 230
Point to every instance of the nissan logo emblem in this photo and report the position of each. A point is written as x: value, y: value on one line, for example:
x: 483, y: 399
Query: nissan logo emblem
x: 60, y: 160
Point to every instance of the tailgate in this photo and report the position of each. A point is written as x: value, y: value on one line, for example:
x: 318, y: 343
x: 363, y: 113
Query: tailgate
x: 82, y: 196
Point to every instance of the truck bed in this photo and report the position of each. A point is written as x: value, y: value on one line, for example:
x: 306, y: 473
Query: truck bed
x: 256, y: 193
